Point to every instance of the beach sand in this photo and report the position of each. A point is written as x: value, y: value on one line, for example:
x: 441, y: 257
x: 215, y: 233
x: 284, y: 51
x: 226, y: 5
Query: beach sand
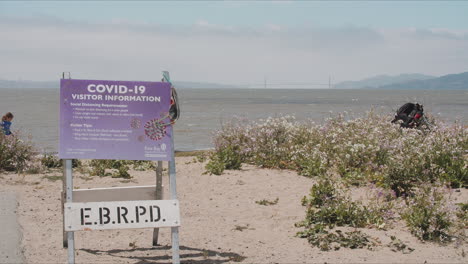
x: 220, y: 222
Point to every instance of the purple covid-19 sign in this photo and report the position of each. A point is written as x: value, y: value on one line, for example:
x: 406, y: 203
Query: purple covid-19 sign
x: 115, y: 120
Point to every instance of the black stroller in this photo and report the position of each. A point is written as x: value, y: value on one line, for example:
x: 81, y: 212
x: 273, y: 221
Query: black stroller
x: 411, y: 115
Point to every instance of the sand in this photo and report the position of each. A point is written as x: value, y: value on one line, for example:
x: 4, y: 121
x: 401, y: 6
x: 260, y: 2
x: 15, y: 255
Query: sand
x: 10, y: 233
x: 221, y: 223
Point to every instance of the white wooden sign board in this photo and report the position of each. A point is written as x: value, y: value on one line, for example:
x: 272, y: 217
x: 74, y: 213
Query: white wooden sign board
x: 121, y: 215
x: 127, y: 193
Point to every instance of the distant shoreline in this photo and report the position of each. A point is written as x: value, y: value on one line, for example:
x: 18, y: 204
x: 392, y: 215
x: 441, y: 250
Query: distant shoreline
x: 414, y: 81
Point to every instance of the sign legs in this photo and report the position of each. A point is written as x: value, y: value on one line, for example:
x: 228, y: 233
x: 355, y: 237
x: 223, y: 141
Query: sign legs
x: 173, y: 188
x: 175, y: 245
x: 71, y: 247
x: 62, y: 199
x: 69, y: 198
x: 159, y: 196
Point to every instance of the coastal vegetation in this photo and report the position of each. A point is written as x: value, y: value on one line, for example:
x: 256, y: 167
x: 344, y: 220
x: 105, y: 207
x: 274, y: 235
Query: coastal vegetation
x: 411, y: 173
x: 15, y: 153
x: 19, y: 155
x: 359, y: 151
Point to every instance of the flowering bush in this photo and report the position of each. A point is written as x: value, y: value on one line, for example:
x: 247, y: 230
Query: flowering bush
x: 227, y: 158
x: 51, y: 161
x: 429, y: 215
x: 328, y: 205
x: 326, y: 240
x: 364, y: 149
x: 15, y: 153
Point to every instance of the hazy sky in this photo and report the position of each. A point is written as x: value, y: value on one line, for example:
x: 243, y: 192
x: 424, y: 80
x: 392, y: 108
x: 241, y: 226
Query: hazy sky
x: 232, y: 41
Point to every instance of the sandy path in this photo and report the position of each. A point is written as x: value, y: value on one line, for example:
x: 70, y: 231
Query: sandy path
x: 10, y: 232
x: 220, y: 223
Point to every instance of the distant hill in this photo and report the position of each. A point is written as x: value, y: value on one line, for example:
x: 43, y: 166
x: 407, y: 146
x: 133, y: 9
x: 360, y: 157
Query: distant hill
x: 56, y: 84
x: 382, y: 80
x: 447, y: 82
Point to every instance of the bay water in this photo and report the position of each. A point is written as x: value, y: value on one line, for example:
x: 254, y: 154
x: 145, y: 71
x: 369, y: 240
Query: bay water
x: 203, y: 111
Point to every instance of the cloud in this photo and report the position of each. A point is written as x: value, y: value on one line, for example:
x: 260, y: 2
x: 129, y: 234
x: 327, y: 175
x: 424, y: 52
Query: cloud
x: 41, y: 48
x: 424, y: 34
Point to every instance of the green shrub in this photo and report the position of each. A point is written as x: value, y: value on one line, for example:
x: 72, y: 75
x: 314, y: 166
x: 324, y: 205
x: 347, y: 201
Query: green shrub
x: 310, y: 164
x: 76, y: 163
x: 215, y: 165
x: 51, y: 161
x: 15, y: 153
x: 320, y: 194
x: 462, y: 215
x: 463, y: 212
x: 117, y: 164
x: 227, y: 158
x: 325, y: 239
x: 328, y: 206
x: 122, y: 172
x: 231, y: 158
x: 201, y: 157
x: 453, y: 167
x: 98, y: 167
x: 264, y: 144
x: 267, y: 202
x: 119, y: 168
x: 397, y: 245
x: 428, y: 215
x: 341, y: 213
x: 403, y: 177
x: 34, y: 168
x: 143, y: 165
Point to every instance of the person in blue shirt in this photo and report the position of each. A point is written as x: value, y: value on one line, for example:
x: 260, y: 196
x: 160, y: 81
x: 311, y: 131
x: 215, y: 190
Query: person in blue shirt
x: 6, y: 123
